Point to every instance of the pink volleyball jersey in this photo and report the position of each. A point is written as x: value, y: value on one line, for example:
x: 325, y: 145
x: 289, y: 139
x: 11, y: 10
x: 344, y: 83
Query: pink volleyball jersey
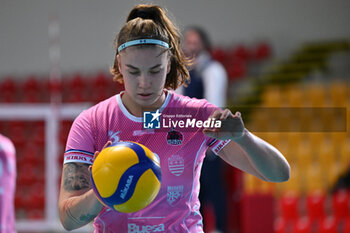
x: 180, y: 147
x: 7, y: 185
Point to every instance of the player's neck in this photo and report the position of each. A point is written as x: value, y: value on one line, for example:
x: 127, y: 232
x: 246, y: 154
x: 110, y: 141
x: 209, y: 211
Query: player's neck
x: 136, y: 109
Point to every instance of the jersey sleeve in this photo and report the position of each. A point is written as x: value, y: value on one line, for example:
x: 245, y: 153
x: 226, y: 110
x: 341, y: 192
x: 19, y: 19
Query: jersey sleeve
x: 214, y: 144
x: 80, y: 143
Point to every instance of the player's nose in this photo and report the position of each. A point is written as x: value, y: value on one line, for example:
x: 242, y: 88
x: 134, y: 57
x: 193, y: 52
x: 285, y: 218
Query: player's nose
x: 144, y: 81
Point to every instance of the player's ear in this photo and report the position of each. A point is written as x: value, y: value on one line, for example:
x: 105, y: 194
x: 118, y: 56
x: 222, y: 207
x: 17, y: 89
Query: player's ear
x: 119, y: 64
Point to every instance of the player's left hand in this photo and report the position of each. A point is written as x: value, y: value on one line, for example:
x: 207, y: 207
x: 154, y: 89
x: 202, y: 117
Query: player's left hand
x: 108, y: 143
x: 232, y: 126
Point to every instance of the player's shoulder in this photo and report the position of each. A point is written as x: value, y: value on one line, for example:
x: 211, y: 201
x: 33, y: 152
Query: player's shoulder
x: 179, y: 100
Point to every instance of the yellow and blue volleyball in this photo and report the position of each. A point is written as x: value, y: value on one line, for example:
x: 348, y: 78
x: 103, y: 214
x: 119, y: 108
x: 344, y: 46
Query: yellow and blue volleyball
x: 126, y: 176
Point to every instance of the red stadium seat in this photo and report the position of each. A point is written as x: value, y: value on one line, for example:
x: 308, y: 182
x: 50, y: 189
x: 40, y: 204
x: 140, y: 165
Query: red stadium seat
x: 26, y: 174
x: 289, y: 206
x: 280, y: 225
x: 328, y: 225
x: 241, y: 52
x: 99, y: 95
x: 347, y: 225
x: 31, y: 85
x: 101, y: 82
x: 8, y: 85
x: 262, y: 51
x: 302, y: 225
x: 36, y: 214
x: 30, y: 97
x: 38, y: 135
x: 236, y: 69
x: 340, y: 203
x: 77, y: 83
x: 53, y: 86
x: 315, y: 202
x: 30, y: 155
x: 8, y: 91
x: 218, y: 54
x: 17, y: 135
x: 20, y: 201
x: 76, y: 97
x: 30, y: 91
x: 73, y: 89
x: 37, y: 196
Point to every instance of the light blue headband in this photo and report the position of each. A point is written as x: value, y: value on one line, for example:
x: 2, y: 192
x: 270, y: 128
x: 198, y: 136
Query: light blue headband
x: 142, y: 41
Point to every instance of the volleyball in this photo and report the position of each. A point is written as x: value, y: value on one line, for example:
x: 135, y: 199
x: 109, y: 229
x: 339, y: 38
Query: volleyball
x: 126, y: 176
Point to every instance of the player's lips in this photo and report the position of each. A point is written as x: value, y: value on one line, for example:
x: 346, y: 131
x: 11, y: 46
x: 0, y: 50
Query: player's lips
x: 145, y: 95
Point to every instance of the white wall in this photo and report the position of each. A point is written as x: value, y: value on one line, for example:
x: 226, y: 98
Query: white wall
x: 88, y: 27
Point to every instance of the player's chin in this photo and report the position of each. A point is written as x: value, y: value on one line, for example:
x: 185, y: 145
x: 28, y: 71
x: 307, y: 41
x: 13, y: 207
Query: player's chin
x: 146, y: 102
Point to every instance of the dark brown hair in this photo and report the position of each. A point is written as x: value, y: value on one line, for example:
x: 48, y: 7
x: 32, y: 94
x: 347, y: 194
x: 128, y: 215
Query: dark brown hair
x: 151, y: 22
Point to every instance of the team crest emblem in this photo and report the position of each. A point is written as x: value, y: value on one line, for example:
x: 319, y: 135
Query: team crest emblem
x: 174, y: 137
x: 174, y: 194
x: 176, y: 165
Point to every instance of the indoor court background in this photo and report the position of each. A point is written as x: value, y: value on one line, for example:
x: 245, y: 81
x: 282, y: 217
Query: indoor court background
x: 289, y: 68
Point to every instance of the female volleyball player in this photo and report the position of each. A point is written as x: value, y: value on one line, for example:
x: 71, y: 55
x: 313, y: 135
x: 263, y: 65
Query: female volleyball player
x: 149, y: 62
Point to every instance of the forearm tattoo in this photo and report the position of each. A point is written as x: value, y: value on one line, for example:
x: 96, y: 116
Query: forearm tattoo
x: 87, y: 217
x: 83, y: 219
x: 76, y: 177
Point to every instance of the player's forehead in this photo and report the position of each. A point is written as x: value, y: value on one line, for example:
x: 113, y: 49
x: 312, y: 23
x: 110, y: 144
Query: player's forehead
x: 144, y: 55
x: 154, y: 51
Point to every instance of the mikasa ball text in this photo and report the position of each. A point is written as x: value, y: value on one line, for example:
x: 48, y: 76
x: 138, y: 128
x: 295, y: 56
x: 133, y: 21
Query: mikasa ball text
x: 126, y: 176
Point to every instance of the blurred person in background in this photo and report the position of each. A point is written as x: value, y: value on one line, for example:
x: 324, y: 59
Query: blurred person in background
x: 209, y: 81
x: 7, y: 185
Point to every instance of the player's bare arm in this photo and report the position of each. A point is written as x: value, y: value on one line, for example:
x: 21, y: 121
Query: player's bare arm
x: 76, y: 177
x: 246, y: 151
x: 78, y: 204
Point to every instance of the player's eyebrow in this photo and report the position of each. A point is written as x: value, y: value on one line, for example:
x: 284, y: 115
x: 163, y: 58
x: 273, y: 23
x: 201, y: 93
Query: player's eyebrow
x: 133, y: 67
x: 156, y: 66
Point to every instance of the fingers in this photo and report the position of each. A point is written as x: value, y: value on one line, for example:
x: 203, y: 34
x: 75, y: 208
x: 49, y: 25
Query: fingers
x: 96, y: 154
x: 231, y: 123
x: 108, y: 143
x: 226, y: 114
x: 216, y: 114
x: 222, y: 115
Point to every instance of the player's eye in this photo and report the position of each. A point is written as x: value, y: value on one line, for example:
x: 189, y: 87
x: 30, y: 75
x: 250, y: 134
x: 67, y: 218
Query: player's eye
x: 155, y: 71
x: 133, y: 72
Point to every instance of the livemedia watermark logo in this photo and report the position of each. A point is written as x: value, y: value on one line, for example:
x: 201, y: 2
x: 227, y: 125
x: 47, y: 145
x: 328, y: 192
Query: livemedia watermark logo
x: 176, y: 119
x: 257, y: 119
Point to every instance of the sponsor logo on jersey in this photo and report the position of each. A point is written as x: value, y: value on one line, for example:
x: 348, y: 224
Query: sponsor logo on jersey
x: 134, y: 228
x: 114, y: 136
x: 174, y: 194
x: 142, y: 132
x: 174, y: 137
x: 176, y: 165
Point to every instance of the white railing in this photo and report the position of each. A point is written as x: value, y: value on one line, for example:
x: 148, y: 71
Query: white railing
x: 51, y: 115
